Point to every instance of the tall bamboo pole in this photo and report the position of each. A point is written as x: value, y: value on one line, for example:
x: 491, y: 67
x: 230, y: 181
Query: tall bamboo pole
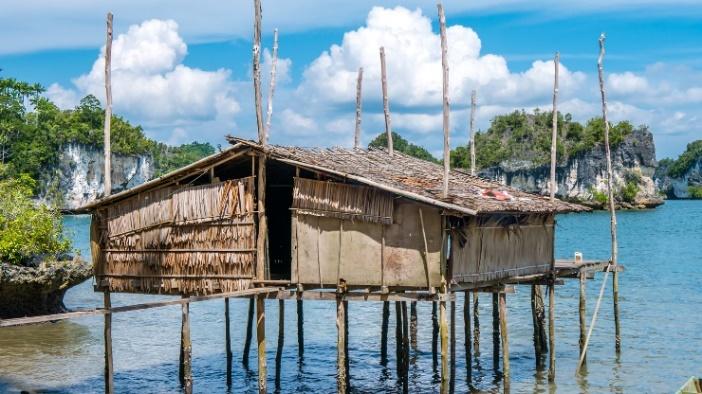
x: 386, y: 105
x: 613, y: 218
x: 257, y: 72
x: 445, y: 68
x: 271, y: 88
x: 108, y: 107
x: 473, y: 105
x: 554, y: 133
x: 357, y: 134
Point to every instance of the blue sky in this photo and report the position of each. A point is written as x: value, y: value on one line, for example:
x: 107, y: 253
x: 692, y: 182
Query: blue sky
x: 185, y: 75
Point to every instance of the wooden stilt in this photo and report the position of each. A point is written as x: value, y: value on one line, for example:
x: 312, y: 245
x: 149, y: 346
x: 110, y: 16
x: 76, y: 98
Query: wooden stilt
x: 186, y: 373
x: 495, y: 331
x: 466, y: 333
x: 384, y: 333
x: 443, y: 329
x: 413, y: 325
x: 281, y: 342
x: 341, y: 344
x: 300, y: 330
x: 476, y: 324
x: 581, y: 309
x: 261, y: 338
x: 434, y: 333
x: 505, y: 340
x: 452, y: 381
x: 551, y: 333
x: 405, y: 348
x: 346, y: 343
x: 538, y: 313
x: 399, y: 357
x: 249, y: 333
x: 109, y: 369
x: 615, y: 302
x: 228, y: 341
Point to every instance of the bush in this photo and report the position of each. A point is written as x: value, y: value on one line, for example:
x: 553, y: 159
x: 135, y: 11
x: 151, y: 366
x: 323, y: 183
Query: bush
x: 27, y: 230
x: 695, y: 192
x: 629, y: 191
x: 600, y: 197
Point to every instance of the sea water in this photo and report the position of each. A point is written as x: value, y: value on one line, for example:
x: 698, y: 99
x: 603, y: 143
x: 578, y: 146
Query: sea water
x: 659, y: 294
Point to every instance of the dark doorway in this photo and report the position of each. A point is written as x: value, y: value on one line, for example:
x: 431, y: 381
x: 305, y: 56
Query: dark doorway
x: 279, y: 188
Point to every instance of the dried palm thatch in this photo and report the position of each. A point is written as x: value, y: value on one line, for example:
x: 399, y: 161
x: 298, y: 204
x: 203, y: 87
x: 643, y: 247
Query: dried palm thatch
x: 338, y: 200
x: 178, y: 240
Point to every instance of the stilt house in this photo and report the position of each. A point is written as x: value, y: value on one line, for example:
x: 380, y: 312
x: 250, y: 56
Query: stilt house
x: 352, y: 215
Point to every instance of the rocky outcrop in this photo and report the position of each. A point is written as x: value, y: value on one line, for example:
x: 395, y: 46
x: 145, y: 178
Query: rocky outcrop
x: 78, y: 177
x: 680, y: 187
x: 583, y: 178
x: 28, y: 291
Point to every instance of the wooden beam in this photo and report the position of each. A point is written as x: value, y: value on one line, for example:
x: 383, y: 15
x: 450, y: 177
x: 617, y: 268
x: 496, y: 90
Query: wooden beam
x: 446, y: 110
x: 108, y: 107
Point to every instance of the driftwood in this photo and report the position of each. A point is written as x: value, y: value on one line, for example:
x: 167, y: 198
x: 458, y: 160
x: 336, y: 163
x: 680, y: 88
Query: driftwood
x: 386, y: 105
x: 357, y: 134
x: 446, y: 110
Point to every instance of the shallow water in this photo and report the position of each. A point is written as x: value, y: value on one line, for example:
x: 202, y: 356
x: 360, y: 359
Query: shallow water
x: 660, y: 299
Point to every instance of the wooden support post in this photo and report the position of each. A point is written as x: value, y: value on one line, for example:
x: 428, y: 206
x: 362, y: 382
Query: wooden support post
x: 405, y: 348
x: 495, y: 331
x: 261, y: 338
x: 582, y: 275
x: 346, y: 344
x: 443, y: 329
x: 452, y: 379
x: 554, y: 134
x: 228, y: 341
x: 271, y: 88
x: 257, y: 72
x: 476, y: 324
x: 538, y: 313
x: 413, y: 325
x: 551, y: 333
x: 386, y: 105
x: 446, y: 110
x: 615, y: 304
x: 281, y: 342
x: 467, y: 334
x: 249, y: 333
x: 109, y: 369
x: 186, y: 373
x: 399, y: 358
x: 384, y: 333
x: 434, y: 333
x: 108, y: 107
x: 505, y: 341
x: 473, y: 104
x: 340, y: 344
x: 300, y: 330
x: 357, y: 134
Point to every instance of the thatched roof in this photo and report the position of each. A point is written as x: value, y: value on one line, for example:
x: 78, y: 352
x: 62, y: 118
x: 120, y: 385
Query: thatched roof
x: 400, y: 174
x: 414, y: 178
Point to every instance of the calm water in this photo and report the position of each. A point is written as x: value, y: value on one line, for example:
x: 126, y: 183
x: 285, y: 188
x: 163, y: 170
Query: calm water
x: 660, y: 301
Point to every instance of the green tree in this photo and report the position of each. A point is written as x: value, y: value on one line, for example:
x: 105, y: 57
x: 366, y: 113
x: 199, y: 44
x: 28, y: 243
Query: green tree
x: 402, y: 145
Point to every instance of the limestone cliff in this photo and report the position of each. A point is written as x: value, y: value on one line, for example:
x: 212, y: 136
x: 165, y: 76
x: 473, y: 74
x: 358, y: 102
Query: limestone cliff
x: 686, y: 186
x: 583, y: 178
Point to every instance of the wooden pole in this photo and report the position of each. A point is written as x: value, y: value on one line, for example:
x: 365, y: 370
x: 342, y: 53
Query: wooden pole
x: 300, y: 330
x: 384, y: 333
x: 228, y: 341
x: 186, y: 373
x: 271, y: 88
x: 386, y: 105
x: 281, y: 342
x: 434, y: 334
x: 495, y: 331
x: 108, y: 106
x: 476, y: 324
x: 261, y: 338
x: 109, y: 369
x: 340, y: 344
x: 505, y: 341
x: 357, y: 134
x: 249, y: 333
x: 552, y: 331
x: 346, y: 344
x: 257, y: 72
x: 615, y: 304
x: 452, y: 378
x: 443, y: 328
x: 473, y: 105
x: 405, y: 348
x: 554, y: 134
x: 413, y: 325
x: 613, y: 218
x: 445, y: 68
x: 582, y: 312
x: 466, y: 333
x: 399, y: 357
x: 538, y: 313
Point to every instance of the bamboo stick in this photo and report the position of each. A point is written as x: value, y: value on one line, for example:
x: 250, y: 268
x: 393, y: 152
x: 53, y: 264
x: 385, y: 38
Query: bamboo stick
x: 108, y: 107
x: 386, y: 105
x: 271, y: 88
x: 473, y: 105
x: 445, y: 68
x: 554, y: 135
x: 109, y: 368
x: 228, y: 341
x: 249, y: 333
x: 261, y: 338
x: 357, y: 134
x: 505, y: 341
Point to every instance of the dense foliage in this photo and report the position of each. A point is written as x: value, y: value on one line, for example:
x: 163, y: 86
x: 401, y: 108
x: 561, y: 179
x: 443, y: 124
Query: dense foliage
x: 527, y: 136
x: 27, y: 230
x: 402, y: 145
x: 678, y: 168
x: 33, y: 130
